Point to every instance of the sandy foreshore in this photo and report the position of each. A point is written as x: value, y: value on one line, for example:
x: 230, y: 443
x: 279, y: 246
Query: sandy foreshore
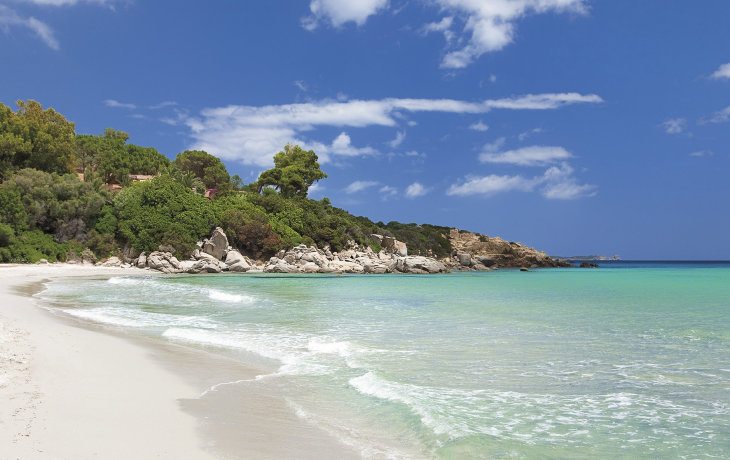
x: 75, y: 390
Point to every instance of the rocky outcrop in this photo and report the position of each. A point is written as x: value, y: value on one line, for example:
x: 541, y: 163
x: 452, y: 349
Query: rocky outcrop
x: 212, y: 255
x: 164, y: 262
x: 217, y: 244
x: 473, y: 251
x: 391, y: 245
x: 309, y: 259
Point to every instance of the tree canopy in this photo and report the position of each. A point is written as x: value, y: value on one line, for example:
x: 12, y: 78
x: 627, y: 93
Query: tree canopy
x: 294, y: 171
x: 34, y: 137
x: 206, y: 167
x: 110, y: 158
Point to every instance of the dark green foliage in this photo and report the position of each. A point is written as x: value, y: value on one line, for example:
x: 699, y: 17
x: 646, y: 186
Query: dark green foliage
x: 7, y: 234
x: 110, y: 158
x: 12, y: 211
x: 294, y: 171
x: 33, y: 137
x: 421, y: 239
x: 206, y: 167
x: 60, y: 205
x: 32, y: 246
x: 48, y: 213
x: 102, y: 244
x: 162, y: 211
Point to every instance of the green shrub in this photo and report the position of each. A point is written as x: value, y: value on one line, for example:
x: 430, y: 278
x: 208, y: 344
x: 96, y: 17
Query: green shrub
x: 6, y: 235
x: 162, y: 212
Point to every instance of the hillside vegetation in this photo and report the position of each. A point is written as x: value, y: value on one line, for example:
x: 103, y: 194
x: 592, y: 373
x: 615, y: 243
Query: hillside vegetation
x: 65, y: 196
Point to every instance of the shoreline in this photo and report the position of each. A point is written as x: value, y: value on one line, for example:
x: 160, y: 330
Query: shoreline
x: 72, y: 388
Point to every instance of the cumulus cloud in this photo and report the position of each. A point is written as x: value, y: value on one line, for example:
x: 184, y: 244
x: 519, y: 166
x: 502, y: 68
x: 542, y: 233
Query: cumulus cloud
x: 722, y: 73
x: 471, y: 28
x: 10, y: 18
x: 556, y: 183
x: 536, y: 155
x: 340, y: 12
x: 359, y: 186
x: 490, y: 25
x: 442, y: 27
x: 415, y: 190
x: 674, y: 125
x: 252, y: 134
x: 479, y: 126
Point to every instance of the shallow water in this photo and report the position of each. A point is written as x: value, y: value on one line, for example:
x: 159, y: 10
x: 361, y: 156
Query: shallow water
x: 631, y: 360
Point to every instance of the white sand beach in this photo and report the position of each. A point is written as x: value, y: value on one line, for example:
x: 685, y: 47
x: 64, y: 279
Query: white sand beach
x: 75, y: 391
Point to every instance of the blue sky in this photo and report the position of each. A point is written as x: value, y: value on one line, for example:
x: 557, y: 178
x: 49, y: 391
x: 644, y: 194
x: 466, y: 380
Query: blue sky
x: 577, y: 126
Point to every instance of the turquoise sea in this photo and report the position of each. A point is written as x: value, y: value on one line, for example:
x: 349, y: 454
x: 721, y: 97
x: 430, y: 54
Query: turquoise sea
x: 631, y: 360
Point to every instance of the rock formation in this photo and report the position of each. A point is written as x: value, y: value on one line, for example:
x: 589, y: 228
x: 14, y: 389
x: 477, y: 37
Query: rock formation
x: 473, y: 251
x: 309, y: 259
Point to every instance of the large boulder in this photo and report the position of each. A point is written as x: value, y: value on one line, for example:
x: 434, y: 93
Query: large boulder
x: 346, y: 266
x: 217, y: 244
x: 419, y: 264
x: 111, y: 262
x: 276, y: 265
x: 236, y: 262
x: 394, y: 246
x: 164, y: 262
x: 202, y: 266
x: 141, y: 261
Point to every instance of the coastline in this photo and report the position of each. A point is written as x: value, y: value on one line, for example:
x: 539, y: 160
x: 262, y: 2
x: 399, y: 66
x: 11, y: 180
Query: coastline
x: 73, y: 389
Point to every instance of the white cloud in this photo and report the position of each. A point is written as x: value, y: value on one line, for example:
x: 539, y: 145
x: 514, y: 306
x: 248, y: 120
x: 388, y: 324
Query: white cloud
x: 556, y: 183
x: 483, y: 25
x: 163, y: 105
x: 113, y: 103
x: 561, y: 185
x: 67, y: 2
x: 723, y: 72
x: 702, y: 153
x: 415, y: 190
x: 536, y: 155
x: 342, y: 145
x: 300, y: 85
x: 674, y: 125
x: 443, y: 27
x: 490, y: 185
x: 721, y: 116
x: 340, y: 12
x: 386, y: 192
x: 495, y: 146
x: 315, y: 189
x: 359, y: 186
x: 490, y: 25
x: 400, y: 136
x: 9, y: 18
x: 529, y: 133
x: 479, y: 126
x: 252, y: 134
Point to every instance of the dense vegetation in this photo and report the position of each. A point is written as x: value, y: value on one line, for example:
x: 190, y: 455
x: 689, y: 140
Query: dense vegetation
x: 65, y: 196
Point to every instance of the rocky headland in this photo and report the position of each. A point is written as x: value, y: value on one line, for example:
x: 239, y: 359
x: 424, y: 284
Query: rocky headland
x: 471, y: 251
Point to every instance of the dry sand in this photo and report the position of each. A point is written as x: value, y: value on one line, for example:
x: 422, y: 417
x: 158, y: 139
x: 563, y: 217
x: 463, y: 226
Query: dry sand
x: 71, y: 390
